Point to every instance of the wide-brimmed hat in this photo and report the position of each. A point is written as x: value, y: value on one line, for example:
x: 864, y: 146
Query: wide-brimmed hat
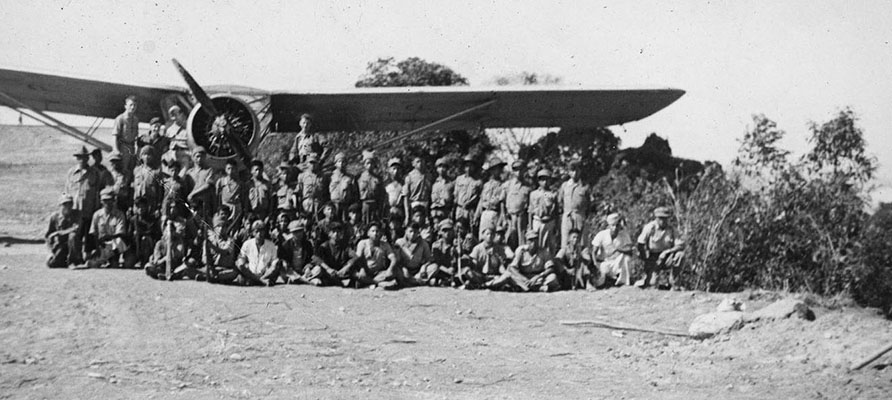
x: 82, y: 153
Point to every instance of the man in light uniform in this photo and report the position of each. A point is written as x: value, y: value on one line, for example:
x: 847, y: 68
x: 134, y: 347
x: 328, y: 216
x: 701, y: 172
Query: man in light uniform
x: 258, y: 261
x: 661, y: 248
x: 417, y: 188
x: 107, y: 228
x: 492, y: 197
x: 612, y: 250
x: 543, y: 208
x: 517, y: 197
x: 312, y: 189
x: 83, y: 185
x: 126, y: 130
x: 575, y: 202
x: 60, y: 234
x: 306, y: 142
x: 371, y: 189
x: 341, y: 187
x: 394, y: 188
x: 204, y: 179
x: 442, y: 192
x: 467, y: 192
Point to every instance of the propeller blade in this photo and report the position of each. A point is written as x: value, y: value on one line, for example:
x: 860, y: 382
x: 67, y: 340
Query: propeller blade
x: 206, y: 104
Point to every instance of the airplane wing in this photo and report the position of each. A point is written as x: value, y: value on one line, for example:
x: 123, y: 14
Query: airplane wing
x: 410, y: 107
x: 54, y: 93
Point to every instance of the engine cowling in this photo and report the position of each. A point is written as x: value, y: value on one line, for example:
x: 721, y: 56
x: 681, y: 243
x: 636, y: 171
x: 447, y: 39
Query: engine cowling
x: 234, y: 115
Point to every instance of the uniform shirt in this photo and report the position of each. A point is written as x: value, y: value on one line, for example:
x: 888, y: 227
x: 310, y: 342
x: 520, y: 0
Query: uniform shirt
x: 575, y: 197
x: 572, y: 259
x: 311, y: 186
x: 259, y: 259
x: 489, y: 260
x: 369, y: 186
x: 284, y: 192
x: 61, y: 222
x: 605, y: 247
x: 105, y: 177
x: 221, y: 250
x: 529, y: 263
x: 517, y: 196
x: 107, y: 223
x: 83, y: 185
x: 161, y: 144
x: 122, y: 183
x: 229, y: 192
x: 259, y: 198
x: 467, y: 191
x: 543, y: 203
x: 177, y: 252
x: 175, y: 135
x: 658, y: 239
x: 417, y: 187
x: 492, y: 196
x: 147, y: 184
x: 413, y: 254
x: 376, y: 256
x: 340, y: 188
x: 305, y: 144
x: 394, y: 191
x: 126, y: 129
x: 298, y: 253
x: 201, y: 176
x: 442, y: 193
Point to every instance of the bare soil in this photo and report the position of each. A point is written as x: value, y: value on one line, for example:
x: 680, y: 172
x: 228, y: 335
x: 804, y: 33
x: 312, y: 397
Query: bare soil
x: 118, y: 334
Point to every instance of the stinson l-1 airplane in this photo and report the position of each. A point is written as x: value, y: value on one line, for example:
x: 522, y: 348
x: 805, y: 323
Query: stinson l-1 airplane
x: 249, y: 114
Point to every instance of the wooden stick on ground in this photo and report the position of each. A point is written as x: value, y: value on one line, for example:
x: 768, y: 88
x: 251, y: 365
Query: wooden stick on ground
x: 863, y: 363
x: 608, y: 325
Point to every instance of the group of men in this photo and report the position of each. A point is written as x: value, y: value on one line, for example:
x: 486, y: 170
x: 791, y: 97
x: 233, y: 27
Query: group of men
x: 182, y: 219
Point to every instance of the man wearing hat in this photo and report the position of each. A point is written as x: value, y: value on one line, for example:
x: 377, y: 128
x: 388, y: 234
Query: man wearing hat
x: 147, y: 179
x: 204, y: 181
x: 83, y: 185
x: 661, y: 248
x: 394, y: 188
x: 221, y: 251
x: 517, y: 197
x: 260, y: 197
x: 371, y: 189
x: 122, y: 181
x: 467, y: 191
x: 230, y: 192
x: 341, y: 187
x: 258, y: 261
x: 312, y: 190
x: 612, y: 251
x: 296, y: 253
x: 126, y: 130
x: 417, y: 188
x: 492, y: 197
x: 575, y: 199
x: 107, y: 230
x: 61, y: 234
x: 283, y: 185
x: 531, y: 269
x: 444, y: 254
x: 306, y: 142
x: 154, y: 138
x: 543, y: 209
x: 442, y: 192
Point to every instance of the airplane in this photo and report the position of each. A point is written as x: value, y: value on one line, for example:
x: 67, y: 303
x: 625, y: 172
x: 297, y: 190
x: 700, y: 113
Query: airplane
x: 249, y: 114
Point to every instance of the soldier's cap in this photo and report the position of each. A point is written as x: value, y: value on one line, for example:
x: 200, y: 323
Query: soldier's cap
x: 544, y: 172
x: 115, y: 156
x: 82, y: 153
x: 446, y: 224
x: 531, y: 234
x: 284, y: 165
x: 107, y: 194
x: 495, y: 163
x: 199, y: 149
x: 154, y: 121
x: 257, y: 163
x: 147, y: 150
x: 613, y: 218
x: 662, y: 212
x: 355, y: 207
x: 394, y: 161
x: 295, y: 226
x: 518, y: 164
x: 368, y: 155
x: 65, y: 199
x: 257, y: 225
x: 340, y: 156
x: 441, y: 161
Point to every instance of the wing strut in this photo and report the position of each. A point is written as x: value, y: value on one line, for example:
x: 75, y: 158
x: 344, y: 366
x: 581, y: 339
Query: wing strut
x: 424, y: 128
x: 51, y: 122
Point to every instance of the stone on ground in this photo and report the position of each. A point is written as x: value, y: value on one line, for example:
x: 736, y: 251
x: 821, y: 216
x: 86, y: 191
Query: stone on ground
x: 711, y: 324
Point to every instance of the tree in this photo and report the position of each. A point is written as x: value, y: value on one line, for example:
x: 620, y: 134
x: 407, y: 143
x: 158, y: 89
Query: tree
x: 759, y: 155
x: 838, y: 150
x: 413, y: 71
x: 527, y: 78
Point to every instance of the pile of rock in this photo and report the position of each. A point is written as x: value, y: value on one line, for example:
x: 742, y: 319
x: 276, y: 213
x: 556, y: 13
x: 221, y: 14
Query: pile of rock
x: 730, y: 315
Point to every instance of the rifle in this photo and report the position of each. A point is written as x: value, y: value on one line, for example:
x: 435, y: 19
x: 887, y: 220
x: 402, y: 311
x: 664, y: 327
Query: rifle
x: 169, y: 260
x: 136, y: 237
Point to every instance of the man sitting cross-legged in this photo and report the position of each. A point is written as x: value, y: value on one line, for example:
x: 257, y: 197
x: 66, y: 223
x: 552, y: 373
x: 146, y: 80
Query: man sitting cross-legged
x: 531, y: 269
x: 377, y: 263
x: 415, y: 257
x: 488, y: 261
x: 173, y: 247
x: 332, y: 260
x: 258, y: 262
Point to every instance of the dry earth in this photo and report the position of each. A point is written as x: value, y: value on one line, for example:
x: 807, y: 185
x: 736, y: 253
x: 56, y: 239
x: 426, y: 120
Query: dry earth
x: 100, y: 334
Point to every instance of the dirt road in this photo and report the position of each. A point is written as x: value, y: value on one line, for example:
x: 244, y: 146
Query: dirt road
x: 118, y: 334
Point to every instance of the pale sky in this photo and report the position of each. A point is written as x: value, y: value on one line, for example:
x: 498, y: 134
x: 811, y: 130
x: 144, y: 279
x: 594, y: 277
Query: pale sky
x: 793, y: 61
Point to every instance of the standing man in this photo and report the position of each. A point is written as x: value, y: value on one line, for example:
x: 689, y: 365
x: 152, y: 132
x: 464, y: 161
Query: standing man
x: 612, y: 250
x: 147, y: 180
x: 394, y: 188
x: 104, y: 175
x: 517, y: 197
x: 492, y: 197
x: 230, y: 193
x: 306, y: 142
x: 575, y: 200
x: 312, y: 189
x: 177, y: 136
x: 122, y: 182
x: 442, y: 192
x: 260, y: 200
x: 83, y: 185
x: 204, y: 179
x: 543, y: 209
x: 371, y: 189
x: 467, y: 191
x: 60, y: 234
x: 417, y: 189
x: 283, y: 184
x: 126, y: 130
x: 154, y: 138
x: 660, y: 246
x: 341, y: 187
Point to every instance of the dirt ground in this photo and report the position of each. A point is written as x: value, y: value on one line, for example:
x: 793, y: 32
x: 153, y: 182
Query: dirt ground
x: 118, y: 334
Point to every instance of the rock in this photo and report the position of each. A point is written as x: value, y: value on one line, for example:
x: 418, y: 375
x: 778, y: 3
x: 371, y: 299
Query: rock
x: 236, y: 357
x: 731, y: 304
x: 711, y: 324
x: 782, y: 309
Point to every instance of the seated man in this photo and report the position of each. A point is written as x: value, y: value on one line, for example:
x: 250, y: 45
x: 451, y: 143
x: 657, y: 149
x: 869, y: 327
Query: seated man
x: 661, y: 248
x: 296, y: 253
x: 332, y: 260
x: 172, y: 254
x: 107, y: 231
x: 145, y: 230
x: 444, y: 255
x: 377, y: 263
x: 221, y: 252
x: 531, y: 269
x: 572, y: 264
x: 60, y: 235
x: 258, y: 262
x: 488, y: 261
x: 415, y: 257
x: 612, y: 250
